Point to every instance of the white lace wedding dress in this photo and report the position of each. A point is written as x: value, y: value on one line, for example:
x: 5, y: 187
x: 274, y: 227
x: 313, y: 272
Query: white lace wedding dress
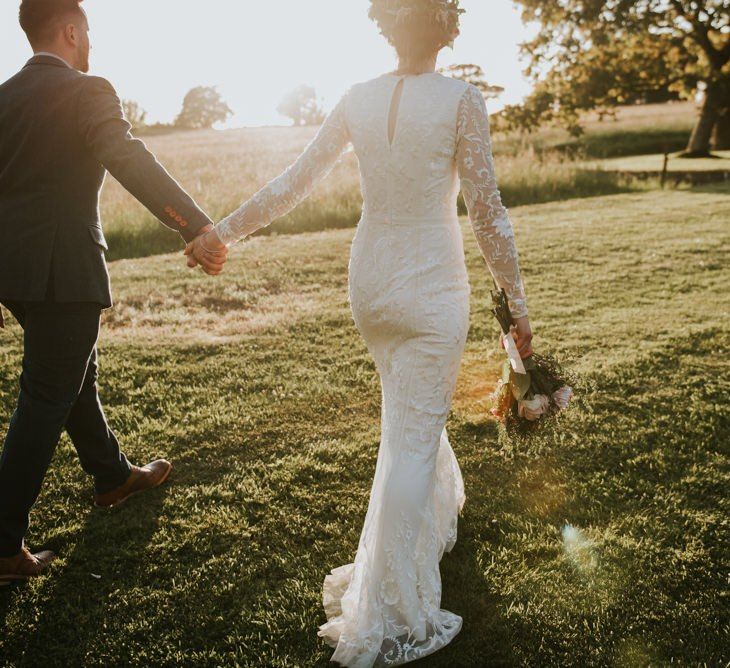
x: 409, y: 294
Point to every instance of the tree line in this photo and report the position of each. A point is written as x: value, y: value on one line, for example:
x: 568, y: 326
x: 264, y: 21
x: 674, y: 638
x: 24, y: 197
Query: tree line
x: 202, y: 108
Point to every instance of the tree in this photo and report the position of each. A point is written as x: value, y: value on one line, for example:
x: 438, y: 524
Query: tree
x: 302, y: 106
x: 596, y: 54
x: 136, y: 116
x: 474, y: 75
x: 203, y: 107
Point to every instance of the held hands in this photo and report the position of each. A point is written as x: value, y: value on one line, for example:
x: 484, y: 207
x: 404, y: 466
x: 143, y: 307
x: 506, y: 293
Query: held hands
x: 208, y: 251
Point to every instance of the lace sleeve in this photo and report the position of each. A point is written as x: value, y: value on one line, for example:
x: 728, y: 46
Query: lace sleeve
x: 289, y: 189
x: 489, y: 219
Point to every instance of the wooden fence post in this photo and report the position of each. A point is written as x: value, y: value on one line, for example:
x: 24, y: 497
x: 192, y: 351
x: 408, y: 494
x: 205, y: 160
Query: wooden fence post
x: 665, y: 167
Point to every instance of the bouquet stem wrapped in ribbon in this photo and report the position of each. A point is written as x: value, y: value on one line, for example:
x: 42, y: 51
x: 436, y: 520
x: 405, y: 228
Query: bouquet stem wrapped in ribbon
x: 532, y: 389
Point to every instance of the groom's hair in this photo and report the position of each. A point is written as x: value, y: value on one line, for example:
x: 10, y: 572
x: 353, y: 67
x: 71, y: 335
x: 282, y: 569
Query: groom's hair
x: 40, y: 19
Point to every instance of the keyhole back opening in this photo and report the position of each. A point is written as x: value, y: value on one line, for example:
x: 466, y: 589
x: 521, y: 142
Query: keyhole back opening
x: 394, y: 109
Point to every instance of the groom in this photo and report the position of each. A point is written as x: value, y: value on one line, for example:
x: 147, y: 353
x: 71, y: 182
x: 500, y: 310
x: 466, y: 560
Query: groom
x: 60, y: 130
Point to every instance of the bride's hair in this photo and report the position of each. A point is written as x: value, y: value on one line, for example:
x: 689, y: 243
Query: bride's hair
x: 417, y: 28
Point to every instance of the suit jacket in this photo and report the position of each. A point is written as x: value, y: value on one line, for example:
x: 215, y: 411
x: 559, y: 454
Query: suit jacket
x: 60, y: 131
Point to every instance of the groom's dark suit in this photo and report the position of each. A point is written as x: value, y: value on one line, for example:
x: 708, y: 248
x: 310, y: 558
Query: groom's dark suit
x: 60, y: 131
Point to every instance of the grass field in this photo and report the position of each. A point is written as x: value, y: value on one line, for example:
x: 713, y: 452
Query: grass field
x: 222, y: 169
x: 655, y: 163
x: 634, y: 130
x: 604, y: 544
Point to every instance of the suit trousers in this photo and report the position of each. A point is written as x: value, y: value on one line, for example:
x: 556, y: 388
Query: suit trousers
x: 58, y: 391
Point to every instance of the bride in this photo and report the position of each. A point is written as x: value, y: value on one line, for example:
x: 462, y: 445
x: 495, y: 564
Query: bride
x: 417, y: 135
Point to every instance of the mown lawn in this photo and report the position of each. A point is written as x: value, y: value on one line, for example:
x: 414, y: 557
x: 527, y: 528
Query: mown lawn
x: 635, y: 129
x: 655, y: 163
x: 604, y: 544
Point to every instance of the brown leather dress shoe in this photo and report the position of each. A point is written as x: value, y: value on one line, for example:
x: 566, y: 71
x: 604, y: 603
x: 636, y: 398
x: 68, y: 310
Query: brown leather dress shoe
x: 23, y: 566
x: 140, y: 480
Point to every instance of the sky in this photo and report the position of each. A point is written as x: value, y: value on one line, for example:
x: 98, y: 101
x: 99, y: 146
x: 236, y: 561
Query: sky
x: 255, y: 51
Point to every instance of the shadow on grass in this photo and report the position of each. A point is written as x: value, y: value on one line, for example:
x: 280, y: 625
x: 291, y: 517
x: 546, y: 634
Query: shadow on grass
x: 640, y: 480
x: 466, y: 594
x: 639, y: 483
x: 69, y: 620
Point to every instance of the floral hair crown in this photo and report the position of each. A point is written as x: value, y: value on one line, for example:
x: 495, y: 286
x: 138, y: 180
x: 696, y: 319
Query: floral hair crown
x: 394, y: 12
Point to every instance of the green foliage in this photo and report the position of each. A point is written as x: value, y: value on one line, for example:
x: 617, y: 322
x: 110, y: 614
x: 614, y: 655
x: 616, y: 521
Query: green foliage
x: 260, y: 390
x: 203, y: 107
x: 592, y: 54
x: 474, y: 75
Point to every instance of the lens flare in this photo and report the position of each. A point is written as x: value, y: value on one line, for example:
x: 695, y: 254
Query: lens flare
x: 579, y: 549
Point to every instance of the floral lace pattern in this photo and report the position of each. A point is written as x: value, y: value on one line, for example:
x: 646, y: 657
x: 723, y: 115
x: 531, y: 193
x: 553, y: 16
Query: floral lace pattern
x: 489, y: 218
x: 285, y: 192
x: 409, y: 294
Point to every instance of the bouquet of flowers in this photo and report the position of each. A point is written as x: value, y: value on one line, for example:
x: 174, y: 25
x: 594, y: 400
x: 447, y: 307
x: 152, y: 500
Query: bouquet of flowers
x: 531, y: 390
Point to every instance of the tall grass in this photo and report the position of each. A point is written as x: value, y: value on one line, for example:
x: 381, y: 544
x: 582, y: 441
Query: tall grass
x: 222, y: 169
x: 632, y: 130
x: 533, y: 178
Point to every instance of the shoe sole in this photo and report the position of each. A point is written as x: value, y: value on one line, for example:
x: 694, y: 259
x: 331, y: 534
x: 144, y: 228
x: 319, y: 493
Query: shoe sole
x: 163, y: 480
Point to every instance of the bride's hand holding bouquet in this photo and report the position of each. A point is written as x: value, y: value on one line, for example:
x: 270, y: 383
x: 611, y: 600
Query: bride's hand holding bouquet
x: 533, y: 387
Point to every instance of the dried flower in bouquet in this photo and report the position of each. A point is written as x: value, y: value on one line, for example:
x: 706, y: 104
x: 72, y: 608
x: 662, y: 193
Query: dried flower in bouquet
x: 530, y: 390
